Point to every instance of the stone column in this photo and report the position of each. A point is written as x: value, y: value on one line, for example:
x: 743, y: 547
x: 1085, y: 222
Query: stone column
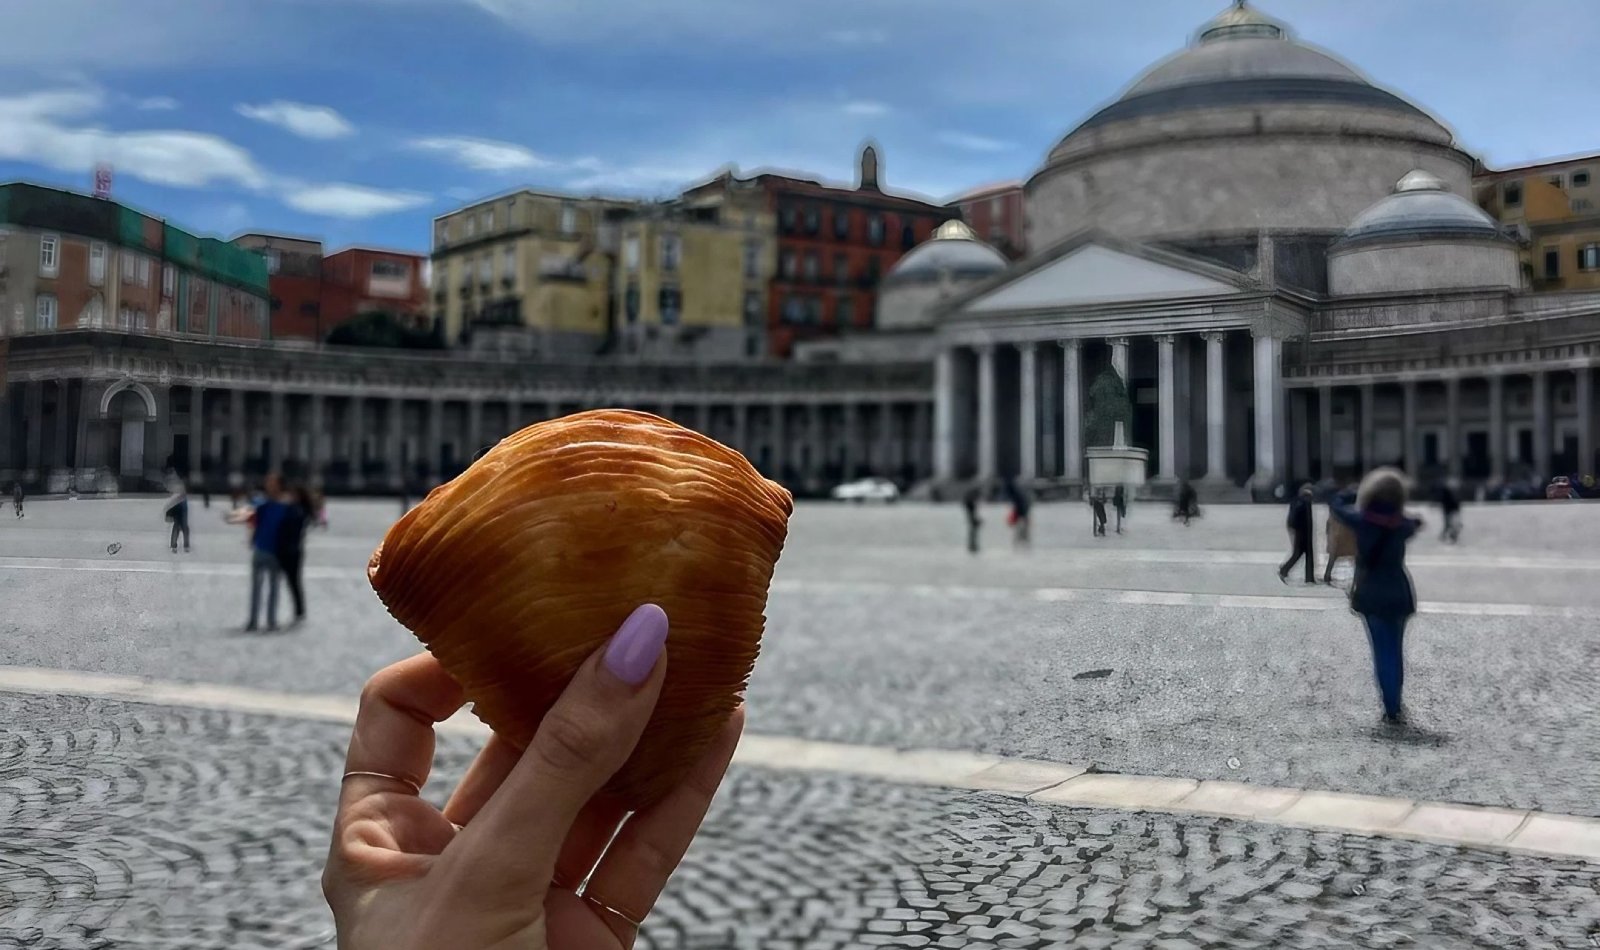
x: 1325, y: 428
x: 1167, y: 408
x: 702, y: 417
x: 741, y: 428
x: 197, y: 433
x: 474, y: 428
x: 1119, y: 360
x: 357, y: 429
x: 852, y: 436
x: 1584, y: 379
x: 156, y: 455
x: 435, y: 438
x: 398, y: 476
x: 91, y: 435
x: 1452, y: 398
x: 63, y: 446
x: 1541, y: 424
x: 780, y: 439
x: 814, y: 435
x: 1269, y: 410
x: 1071, y: 411
x: 1028, y: 467
x: 944, y: 415
x: 1216, y: 408
x: 1497, y: 428
x: 33, y: 414
x: 1300, y: 433
x: 321, y: 438
x: 1408, y: 429
x: 238, y: 432
x: 920, y: 434
x: 278, y: 438
x: 986, y: 407
x: 513, y: 415
x: 1369, y: 429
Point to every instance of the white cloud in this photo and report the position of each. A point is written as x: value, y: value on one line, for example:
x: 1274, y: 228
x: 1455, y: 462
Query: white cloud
x: 484, y: 155
x: 974, y: 143
x: 302, y: 119
x: 338, y: 200
x: 47, y: 128
x: 866, y: 107
x: 156, y: 104
x: 639, y: 179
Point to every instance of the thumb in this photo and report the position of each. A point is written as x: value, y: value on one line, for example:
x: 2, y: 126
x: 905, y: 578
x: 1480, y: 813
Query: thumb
x: 584, y: 739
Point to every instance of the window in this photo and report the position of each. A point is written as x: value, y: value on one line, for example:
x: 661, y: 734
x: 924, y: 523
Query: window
x: 814, y: 310
x: 49, y: 256
x: 787, y: 218
x: 670, y: 300
x: 875, y: 230
x: 1589, y: 257
x: 135, y: 269
x: 813, y: 267
x: 908, y: 237
x: 1580, y: 179
x: 169, y: 280
x: 841, y: 268
x: 472, y: 226
x: 794, y: 310
x: 841, y: 223
x: 671, y: 250
x: 97, y: 263
x: 752, y: 308
x: 276, y: 305
x: 752, y: 258
x: 488, y: 221
x: 786, y: 265
x: 45, y: 312
x: 1512, y: 192
x: 143, y: 276
x: 630, y: 253
x: 844, y: 312
x: 444, y: 232
x: 874, y: 268
x: 569, y: 218
x: 125, y: 318
x: 390, y: 269
x: 1552, y: 263
x: 997, y: 208
x: 141, y: 320
x: 309, y: 308
x: 630, y: 303
x: 274, y: 260
x: 486, y: 267
x: 1556, y: 180
x: 508, y: 265
x: 813, y: 219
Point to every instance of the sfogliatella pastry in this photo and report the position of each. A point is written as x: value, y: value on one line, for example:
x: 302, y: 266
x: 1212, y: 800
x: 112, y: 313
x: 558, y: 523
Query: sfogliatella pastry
x: 519, y: 569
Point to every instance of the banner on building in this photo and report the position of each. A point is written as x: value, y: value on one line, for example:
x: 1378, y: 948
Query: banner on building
x: 102, y: 181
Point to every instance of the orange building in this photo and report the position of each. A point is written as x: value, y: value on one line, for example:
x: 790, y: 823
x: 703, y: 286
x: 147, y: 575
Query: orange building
x: 1554, y: 210
x: 995, y: 214
x: 313, y: 293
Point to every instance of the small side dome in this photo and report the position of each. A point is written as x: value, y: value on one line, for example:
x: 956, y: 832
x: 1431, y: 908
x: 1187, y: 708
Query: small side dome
x: 1421, y: 207
x: 953, y: 251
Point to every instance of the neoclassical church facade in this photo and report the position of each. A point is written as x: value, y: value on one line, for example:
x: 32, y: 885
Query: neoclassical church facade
x: 1282, y: 262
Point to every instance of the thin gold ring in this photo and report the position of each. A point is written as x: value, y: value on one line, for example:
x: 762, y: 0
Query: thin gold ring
x: 635, y: 924
x: 415, y: 788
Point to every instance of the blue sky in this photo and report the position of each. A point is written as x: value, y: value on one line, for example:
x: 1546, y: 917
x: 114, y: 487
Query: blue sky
x: 357, y: 121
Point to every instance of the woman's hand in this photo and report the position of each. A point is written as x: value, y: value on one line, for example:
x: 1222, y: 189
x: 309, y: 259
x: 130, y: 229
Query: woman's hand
x: 502, y: 864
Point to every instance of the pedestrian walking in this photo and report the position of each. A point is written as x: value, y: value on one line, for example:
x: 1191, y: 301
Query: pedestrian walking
x: 177, y: 512
x: 1021, y: 509
x: 1450, y: 508
x: 1341, y: 540
x: 1097, y: 503
x: 1300, y: 534
x: 17, y: 498
x: 1187, y: 505
x: 266, y: 522
x: 974, y: 522
x: 1119, y: 501
x: 1382, y: 592
x: 300, y: 516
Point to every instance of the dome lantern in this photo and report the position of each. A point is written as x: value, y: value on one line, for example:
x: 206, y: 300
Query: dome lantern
x: 1241, y: 21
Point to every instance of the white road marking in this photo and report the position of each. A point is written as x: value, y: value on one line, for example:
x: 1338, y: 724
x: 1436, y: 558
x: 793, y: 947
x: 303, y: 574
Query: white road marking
x: 1470, y: 826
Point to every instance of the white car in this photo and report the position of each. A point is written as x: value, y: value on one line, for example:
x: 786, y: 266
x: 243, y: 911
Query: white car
x: 867, y: 489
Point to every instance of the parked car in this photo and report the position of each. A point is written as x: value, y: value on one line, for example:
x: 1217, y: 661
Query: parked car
x: 867, y: 489
x: 1560, y: 487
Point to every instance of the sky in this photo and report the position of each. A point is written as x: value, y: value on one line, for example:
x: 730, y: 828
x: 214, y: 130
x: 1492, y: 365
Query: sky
x: 358, y: 121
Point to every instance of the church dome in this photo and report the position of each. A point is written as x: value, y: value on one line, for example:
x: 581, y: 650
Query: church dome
x: 1421, y: 207
x: 954, y: 251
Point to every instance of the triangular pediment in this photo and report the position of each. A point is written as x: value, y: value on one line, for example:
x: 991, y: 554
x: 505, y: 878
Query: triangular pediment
x: 1095, y: 271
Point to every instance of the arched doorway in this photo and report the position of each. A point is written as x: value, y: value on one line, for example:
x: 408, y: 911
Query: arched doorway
x: 128, y: 408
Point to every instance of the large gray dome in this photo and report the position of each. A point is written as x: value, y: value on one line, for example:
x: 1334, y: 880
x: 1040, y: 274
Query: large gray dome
x: 953, y: 251
x: 1420, y: 207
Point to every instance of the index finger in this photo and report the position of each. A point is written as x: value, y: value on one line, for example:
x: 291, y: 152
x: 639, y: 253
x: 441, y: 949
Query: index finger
x: 393, y: 734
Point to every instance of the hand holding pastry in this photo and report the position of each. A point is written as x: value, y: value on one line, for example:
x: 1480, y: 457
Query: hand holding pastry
x: 502, y: 863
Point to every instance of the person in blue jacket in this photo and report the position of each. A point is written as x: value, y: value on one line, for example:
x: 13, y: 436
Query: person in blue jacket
x: 1382, y: 592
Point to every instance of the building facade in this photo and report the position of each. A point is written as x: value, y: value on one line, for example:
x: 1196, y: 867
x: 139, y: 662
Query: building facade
x: 997, y: 215
x: 1554, y: 209
x: 312, y: 293
x: 834, y: 245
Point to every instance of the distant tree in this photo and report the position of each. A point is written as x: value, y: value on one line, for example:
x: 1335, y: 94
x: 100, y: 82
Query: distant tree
x: 383, y: 329
x: 1108, y: 405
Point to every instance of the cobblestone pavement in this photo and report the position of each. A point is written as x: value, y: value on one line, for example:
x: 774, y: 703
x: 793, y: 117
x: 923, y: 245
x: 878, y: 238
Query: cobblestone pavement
x: 1507, y: 704
x: 144, y: 826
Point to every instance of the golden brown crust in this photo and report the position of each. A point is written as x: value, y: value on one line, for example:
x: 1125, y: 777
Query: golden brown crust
x: 515, y: 572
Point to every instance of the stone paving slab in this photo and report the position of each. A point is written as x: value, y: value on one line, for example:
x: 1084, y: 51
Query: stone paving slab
x: 133, y: 825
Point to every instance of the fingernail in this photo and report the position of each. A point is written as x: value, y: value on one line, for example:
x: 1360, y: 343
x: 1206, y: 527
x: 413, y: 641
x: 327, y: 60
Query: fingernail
x: 637, y: 644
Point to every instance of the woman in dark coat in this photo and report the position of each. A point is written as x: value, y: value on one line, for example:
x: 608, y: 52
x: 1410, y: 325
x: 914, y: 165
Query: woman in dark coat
x: 292, y: 545
x: 1382, y: 593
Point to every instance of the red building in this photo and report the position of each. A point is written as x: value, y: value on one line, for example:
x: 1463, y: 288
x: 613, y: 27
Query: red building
x: 994, y: 213
x: 313, y: 293
x: 835, y: 243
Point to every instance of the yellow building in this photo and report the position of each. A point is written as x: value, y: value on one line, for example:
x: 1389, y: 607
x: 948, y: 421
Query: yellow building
x: 1554, y: 207
x: 691, y: 278
x: 530, y: 266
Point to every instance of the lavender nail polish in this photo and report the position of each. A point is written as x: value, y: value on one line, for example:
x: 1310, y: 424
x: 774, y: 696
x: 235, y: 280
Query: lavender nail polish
x: 637, y: 644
